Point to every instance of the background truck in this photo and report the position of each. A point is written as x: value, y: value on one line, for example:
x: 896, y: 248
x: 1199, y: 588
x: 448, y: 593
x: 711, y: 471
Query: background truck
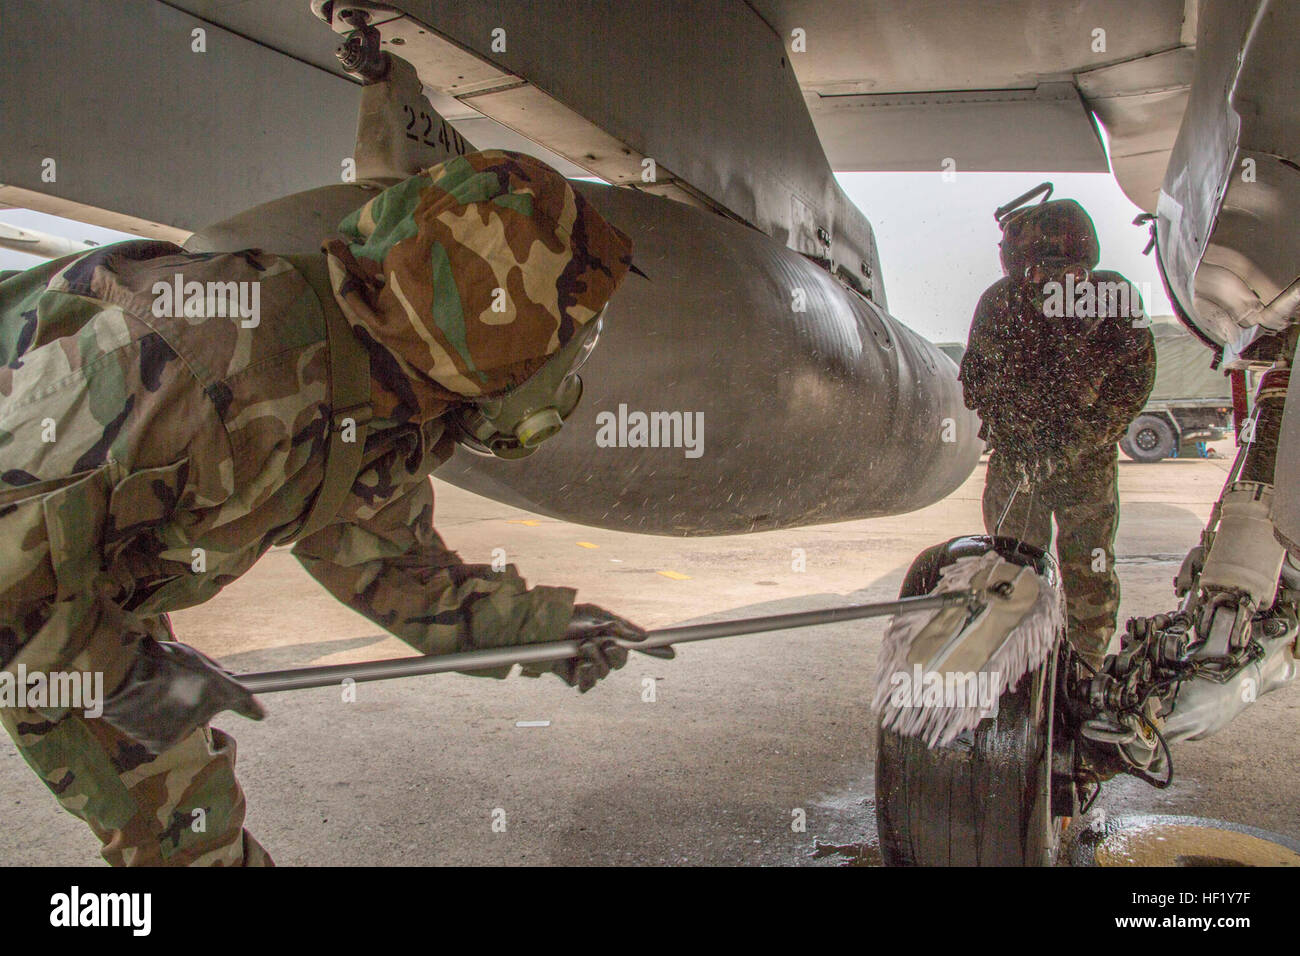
x: 1191, y: 403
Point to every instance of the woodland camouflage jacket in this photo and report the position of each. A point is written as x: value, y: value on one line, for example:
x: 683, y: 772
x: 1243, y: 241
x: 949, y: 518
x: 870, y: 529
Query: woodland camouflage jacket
x: 1048, y: 387
x: 147, y: 460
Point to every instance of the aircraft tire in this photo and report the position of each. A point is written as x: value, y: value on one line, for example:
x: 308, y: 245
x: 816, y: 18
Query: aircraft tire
x: 986, y: 799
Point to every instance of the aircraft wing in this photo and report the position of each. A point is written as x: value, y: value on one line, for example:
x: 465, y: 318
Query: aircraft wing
x: 744, y: 108
x: 1009, y: 85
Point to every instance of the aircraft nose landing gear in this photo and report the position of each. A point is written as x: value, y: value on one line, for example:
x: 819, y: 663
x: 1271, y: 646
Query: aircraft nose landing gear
x: 999, y: 793
x: 1167, y: 684
x: 1002, y: 793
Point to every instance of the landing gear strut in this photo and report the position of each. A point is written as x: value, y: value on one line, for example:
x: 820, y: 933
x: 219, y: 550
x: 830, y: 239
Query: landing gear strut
x: 999, y: 794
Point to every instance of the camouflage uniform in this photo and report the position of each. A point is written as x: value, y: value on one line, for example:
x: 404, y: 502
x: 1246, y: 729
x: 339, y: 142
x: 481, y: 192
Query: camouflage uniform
x: 1058, y: 390
x: 151, y: 460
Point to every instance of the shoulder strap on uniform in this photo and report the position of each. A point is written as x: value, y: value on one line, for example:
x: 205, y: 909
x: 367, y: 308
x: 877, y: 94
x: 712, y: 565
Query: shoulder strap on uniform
x: 349, y: 400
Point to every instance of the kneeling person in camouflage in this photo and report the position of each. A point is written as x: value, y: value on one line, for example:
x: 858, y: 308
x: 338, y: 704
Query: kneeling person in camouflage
x: 153, y: 453
x: 1059, y: 361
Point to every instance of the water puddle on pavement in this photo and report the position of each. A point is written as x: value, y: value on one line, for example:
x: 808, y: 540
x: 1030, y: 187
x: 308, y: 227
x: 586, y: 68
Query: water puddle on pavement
x: 846, y: 829
x: 848, y: 854
x: 842, y: 832
x: 1178, y: 841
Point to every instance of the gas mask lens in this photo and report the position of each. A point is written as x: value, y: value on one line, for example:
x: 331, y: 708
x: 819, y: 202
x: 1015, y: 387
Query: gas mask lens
x: 515, y: 424
x: 1058, y: 270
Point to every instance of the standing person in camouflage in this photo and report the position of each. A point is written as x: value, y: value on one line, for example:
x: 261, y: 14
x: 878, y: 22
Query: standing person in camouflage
x: 1059, y: 362
x: 166, y: 418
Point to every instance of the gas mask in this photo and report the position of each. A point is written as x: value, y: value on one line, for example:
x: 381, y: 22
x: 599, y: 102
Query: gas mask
x: 1057, y: 270
x: 1046, y: 241
x: 513, y: 425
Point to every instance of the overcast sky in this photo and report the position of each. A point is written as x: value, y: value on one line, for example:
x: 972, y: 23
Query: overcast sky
x: 938, y: 241
x: 939, y: 244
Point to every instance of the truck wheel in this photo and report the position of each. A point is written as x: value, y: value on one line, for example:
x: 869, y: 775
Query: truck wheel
x: 990, y: 798
x: 1149, y: 439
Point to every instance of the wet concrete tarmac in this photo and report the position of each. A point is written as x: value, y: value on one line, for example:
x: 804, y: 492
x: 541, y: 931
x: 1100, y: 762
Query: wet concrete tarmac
x: 751, y: 750
x: 1126, y: 840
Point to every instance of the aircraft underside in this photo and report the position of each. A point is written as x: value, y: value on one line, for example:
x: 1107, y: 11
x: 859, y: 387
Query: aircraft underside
x: 750, y: 375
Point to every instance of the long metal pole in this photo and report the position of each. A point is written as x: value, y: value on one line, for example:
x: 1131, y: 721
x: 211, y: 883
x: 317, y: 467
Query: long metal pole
x: 299, y: 678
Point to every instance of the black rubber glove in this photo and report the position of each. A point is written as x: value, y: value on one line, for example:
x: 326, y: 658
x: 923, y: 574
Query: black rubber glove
x: 170, y: 690
x: 595, y: 628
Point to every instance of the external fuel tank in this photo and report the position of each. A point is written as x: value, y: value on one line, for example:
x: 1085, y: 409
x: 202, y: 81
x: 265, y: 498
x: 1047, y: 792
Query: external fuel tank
x: 738, y: 387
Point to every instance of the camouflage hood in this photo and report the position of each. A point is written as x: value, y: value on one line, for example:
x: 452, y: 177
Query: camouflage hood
x: 461, y: 281
x: 1059, y: 230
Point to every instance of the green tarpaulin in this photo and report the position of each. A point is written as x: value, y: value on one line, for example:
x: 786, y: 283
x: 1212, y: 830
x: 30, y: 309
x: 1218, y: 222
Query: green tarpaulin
x: 1183, y: 365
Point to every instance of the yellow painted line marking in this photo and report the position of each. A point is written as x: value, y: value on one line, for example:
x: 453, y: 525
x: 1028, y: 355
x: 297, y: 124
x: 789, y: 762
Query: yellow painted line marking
x: 531, y: 524
x: 587, y: 544
x: 675, y: 576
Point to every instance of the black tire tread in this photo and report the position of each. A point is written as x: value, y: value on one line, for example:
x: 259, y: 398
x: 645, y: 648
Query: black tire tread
x: 981, y: 801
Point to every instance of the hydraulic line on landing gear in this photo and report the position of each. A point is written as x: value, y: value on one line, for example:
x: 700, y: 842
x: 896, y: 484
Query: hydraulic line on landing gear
x: 1188, y: 673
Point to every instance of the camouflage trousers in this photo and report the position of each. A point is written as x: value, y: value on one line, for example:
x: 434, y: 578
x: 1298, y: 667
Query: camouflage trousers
x: 1084, y: 498
x: 183, y: 807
